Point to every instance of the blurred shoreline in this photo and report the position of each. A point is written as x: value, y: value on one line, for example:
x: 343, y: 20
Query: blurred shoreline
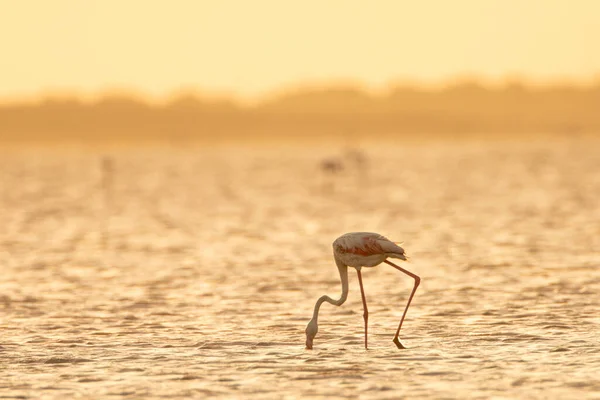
x: 466, y: 109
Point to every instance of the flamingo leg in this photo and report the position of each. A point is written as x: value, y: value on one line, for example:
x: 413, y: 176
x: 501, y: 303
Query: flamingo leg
x: 364, y: 300
x: 417, y: 282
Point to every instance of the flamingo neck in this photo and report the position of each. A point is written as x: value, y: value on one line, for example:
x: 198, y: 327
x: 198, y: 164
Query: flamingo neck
x: 343, y: 269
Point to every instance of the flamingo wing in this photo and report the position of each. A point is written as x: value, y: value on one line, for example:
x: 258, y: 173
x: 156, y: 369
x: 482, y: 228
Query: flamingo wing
x: 367, y: 244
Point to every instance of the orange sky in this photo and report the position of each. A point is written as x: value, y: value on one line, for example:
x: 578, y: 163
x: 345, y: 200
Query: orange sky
x: 252, y: 47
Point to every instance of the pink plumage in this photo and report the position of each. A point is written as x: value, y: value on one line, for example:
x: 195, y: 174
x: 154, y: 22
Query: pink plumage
x: 366, y: 249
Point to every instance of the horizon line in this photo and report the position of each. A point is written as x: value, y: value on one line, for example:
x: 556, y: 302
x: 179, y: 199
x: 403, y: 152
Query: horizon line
x: 91, y: 96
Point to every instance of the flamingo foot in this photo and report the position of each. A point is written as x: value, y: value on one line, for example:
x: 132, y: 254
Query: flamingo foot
x: 398, y: 344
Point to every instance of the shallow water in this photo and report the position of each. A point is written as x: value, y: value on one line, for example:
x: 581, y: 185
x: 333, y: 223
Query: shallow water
x: 177, y: 273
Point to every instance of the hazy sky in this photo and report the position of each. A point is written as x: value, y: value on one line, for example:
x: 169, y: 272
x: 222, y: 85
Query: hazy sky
x: 250, y: 47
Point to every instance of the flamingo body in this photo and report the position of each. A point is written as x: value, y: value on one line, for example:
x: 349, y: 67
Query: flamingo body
x: 365, y: 249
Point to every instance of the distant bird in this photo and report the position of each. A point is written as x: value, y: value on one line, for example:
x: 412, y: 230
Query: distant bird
x: 357, y: 250
x: 331, y: 165
x: 357, y: 157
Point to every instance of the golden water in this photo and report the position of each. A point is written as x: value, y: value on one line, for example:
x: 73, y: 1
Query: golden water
x: 192, y: 272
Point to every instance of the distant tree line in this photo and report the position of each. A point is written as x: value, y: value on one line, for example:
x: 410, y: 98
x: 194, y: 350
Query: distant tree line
x: 464, y: 108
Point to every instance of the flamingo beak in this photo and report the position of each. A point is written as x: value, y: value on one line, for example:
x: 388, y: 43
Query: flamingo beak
x: 309, y: 343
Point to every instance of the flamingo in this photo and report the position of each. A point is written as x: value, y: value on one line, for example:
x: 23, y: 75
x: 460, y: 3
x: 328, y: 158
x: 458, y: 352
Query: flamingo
x: 331, y: 165
x: 357, y: 250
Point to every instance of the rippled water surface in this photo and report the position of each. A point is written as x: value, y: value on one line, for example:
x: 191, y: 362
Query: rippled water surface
x: 192, y: 272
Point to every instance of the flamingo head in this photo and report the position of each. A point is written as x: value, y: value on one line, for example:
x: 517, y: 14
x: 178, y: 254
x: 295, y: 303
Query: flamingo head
x: 311, y: 331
